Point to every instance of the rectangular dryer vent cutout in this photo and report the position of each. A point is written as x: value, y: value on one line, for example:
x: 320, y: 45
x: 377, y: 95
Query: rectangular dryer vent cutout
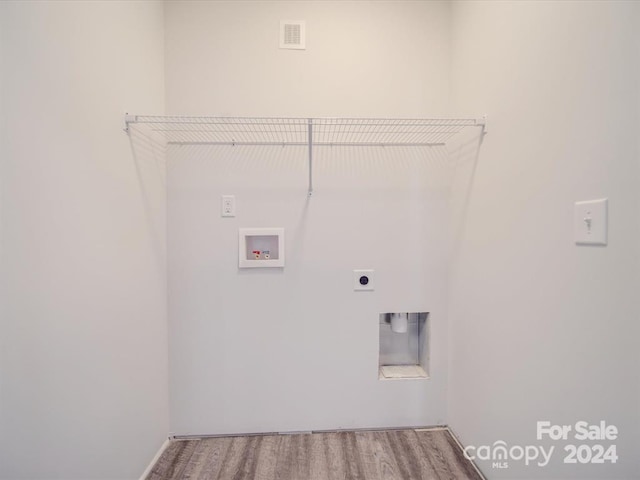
x: 404, y: 345
x: 260, y: 247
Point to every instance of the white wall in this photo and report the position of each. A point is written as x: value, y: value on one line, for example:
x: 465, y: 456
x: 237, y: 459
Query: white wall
x: 83, y: 377
x: 298, y: 349
x: 543, y: 329
x: 387, y: 58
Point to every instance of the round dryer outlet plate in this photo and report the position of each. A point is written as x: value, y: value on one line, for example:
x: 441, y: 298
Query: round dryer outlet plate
x: 363, y: 280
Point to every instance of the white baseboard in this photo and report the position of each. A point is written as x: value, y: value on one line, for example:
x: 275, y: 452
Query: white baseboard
x: 147, y: 470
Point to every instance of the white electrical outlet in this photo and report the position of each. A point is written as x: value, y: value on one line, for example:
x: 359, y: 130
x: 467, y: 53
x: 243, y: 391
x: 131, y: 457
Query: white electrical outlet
x: 228, y: 205
x: 590, y: 222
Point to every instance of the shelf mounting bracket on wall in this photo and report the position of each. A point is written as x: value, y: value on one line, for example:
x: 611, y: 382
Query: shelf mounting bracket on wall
x: 128, y: 119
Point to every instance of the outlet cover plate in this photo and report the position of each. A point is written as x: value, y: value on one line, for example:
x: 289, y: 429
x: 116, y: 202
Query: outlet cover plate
x: 363, y: 280
x: 228, y: 207
x: 590, y: 222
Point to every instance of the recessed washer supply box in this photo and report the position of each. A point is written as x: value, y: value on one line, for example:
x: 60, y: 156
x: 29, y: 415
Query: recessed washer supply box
x: 261, y: 247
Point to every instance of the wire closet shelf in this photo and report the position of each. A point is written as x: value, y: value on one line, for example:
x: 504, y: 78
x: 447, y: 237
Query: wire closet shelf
x: 310, y: 132
x: 297, y: 131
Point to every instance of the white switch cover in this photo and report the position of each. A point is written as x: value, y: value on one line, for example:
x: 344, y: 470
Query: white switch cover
x: 363, y: 280
x: 228, y: 206
x: 590, y: 222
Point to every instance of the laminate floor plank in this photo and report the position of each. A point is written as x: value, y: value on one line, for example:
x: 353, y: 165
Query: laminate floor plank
x: 211, y: 455
x: 373, y: 455
x: 173, y: 461
x: 355, y: 468
x: 377, y: 461
x: 241, y: 459
x: 334, y: 453
x: 197, y: 460
x: 407, y: 451
x: 431, y: 445
x: 319, y: 461
x: 294, y: 460
x: 266, y: 459
x: 443, y: 446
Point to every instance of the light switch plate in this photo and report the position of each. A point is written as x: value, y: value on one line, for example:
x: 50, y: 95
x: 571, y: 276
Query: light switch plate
x: 363, y: 280
x: 590, y: 222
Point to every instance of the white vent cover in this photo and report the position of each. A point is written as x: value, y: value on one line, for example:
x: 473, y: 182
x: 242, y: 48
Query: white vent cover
x: 292, y: 34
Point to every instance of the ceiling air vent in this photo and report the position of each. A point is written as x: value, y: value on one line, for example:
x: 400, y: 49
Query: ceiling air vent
x: 292, y: 34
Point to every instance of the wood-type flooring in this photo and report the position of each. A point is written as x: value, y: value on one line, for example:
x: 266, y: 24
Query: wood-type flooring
x: 361, y: 455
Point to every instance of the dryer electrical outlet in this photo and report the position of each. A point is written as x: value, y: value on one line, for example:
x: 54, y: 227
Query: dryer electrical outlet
x: 363, y: 280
